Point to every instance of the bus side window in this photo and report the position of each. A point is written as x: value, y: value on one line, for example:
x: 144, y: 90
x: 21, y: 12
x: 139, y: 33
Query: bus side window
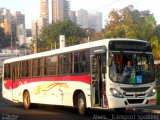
x: 51, y: 65
x: 68, y: 64
x: 35, y: 67
x: 7, y: 71
x: 41, y: 62
x: 26, y: 68
x: 65, y: 64
x: 81, y: 62
x: 76, y: 58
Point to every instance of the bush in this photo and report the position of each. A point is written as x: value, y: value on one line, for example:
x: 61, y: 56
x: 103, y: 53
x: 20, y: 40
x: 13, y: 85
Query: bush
x: 158, y: 84
x: 158, y: 96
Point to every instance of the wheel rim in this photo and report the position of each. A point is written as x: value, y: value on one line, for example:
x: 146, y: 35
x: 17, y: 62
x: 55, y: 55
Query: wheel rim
x: 27, y: 100
x: 81, y: 105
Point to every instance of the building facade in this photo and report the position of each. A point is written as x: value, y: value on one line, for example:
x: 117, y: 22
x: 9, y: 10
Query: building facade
x: 28, y: 32
x: 95, y: 21
x: 19, y: 18
x: 87, y: 20
x: 73, y: 16
x: 82, y: 18
x: 44, y: 10
x: 5, y: 20
x: 60, y: 10
x: 12, y: 23
x: 21, y: 34
x: 34, y: 27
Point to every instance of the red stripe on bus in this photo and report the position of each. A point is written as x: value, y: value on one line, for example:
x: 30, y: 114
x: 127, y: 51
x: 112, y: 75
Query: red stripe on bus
x: 81, y: 78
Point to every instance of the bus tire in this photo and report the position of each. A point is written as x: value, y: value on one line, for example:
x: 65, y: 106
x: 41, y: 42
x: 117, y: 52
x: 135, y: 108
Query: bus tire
x: 81, y: 104
x: 26, y: 100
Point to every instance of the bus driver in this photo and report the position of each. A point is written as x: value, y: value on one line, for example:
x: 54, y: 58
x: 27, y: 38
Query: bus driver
x: 126, y: 72
x: 128, y: 68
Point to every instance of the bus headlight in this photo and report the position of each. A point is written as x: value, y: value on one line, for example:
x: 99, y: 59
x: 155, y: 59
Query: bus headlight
x: 151, y: 93
x: 116, y: 93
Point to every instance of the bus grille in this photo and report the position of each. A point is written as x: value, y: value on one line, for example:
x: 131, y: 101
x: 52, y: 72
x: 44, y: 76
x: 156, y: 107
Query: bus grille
x: 138, y: 89
x: 133, y: 95
x: 135, y: 101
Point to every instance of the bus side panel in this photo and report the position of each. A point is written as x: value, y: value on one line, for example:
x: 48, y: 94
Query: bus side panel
x: 58, y: 92
x: 7, y: 89
x: 68, y: 94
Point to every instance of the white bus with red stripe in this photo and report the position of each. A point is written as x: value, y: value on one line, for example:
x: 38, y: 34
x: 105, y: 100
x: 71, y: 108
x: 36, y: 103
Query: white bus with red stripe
x: 88, y: 75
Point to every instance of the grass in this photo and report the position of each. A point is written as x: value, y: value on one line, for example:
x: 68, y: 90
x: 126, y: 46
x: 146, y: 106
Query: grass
x: 158, y: 96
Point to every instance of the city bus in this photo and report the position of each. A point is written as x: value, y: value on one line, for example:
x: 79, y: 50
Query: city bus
x: 88, y: 75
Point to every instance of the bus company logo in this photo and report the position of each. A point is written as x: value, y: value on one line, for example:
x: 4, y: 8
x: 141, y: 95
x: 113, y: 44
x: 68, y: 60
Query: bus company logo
x: 136, y: 95
x: 98, y: 50
x: 50, y: 87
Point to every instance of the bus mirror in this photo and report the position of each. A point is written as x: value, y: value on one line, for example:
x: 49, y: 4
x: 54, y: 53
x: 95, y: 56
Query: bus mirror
x: 110, y: 59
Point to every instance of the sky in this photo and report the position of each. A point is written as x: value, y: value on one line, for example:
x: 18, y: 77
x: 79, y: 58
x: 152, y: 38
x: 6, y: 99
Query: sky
x: 31, y: 8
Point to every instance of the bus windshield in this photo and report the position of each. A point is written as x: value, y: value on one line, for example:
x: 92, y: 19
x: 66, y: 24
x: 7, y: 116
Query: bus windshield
x: 132, y: 68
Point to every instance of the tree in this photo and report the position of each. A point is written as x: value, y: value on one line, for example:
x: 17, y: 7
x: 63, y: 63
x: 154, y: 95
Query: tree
x: 156, y: 47
x: 157, y: 31
x: 49, y: 37
x: 130, y: 23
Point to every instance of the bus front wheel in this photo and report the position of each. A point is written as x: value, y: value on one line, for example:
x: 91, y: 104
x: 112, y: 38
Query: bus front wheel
x: 26, y: 100
x: 81, y: 104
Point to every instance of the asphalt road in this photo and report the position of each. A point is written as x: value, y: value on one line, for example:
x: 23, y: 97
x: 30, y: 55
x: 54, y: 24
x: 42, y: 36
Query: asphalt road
x: 12, y: 111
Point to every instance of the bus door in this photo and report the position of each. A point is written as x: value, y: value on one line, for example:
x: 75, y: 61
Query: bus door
x: 15, y: 83
x: 98, y: 82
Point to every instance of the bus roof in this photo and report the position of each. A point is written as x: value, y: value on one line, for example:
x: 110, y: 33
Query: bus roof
x: 68, y: 49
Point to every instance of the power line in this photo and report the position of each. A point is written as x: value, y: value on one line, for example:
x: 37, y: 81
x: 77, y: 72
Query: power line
x: 108, y: 4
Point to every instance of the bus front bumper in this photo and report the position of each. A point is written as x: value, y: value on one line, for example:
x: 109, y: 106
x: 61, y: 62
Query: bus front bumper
x: 114, y: 102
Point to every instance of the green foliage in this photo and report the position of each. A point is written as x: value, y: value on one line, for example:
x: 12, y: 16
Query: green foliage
x: 156, y: 47
x: 157, y: 31
x: 158, y: 96
x: 49, y: 37
x: 130, y: 23
x: 158, y: 74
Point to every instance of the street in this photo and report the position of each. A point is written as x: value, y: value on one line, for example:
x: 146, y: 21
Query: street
x: 13, y: 111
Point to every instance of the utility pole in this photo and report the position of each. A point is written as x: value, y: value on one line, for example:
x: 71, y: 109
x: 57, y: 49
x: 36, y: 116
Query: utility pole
x: 55, y: 44
x: 36, y: 39
x: 88, y: 36
x: 11, y: 42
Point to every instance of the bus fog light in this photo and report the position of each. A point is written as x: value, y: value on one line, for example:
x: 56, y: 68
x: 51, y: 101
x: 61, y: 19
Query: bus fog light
x: 151, y: 93
x: 116, y: 93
